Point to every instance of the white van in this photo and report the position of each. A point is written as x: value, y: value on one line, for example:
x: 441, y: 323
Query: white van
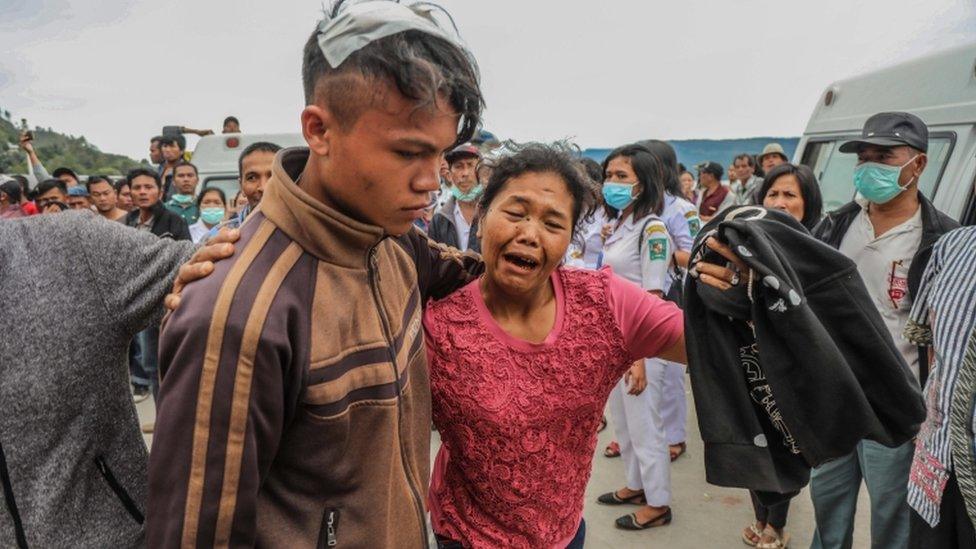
x: 940, y: 89
x: 216, y: 156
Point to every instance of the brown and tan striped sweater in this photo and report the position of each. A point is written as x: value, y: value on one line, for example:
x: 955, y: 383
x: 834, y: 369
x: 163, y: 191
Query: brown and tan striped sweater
x: 295, y: 407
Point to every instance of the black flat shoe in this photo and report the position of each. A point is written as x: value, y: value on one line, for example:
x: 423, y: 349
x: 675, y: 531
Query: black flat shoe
x: 611, y: 498
x: 629, y: 522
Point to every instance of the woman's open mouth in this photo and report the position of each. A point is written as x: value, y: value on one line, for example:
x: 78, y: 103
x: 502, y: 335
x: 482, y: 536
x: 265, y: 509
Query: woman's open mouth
x: 521, y: 262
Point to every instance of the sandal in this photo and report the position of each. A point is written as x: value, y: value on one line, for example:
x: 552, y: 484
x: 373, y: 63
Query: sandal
x: 603, y: 424
x: 629, y: 522
x: 612, y: 450
x: 677, y: 450
x: 752, y: 534
x: 778, y: 541
x: 611, y: 498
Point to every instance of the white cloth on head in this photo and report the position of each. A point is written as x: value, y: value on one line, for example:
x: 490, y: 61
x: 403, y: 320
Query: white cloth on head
x: 360, y: 24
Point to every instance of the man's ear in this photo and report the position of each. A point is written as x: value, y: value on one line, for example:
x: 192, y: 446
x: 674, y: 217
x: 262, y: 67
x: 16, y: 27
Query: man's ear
x: 318, y: 127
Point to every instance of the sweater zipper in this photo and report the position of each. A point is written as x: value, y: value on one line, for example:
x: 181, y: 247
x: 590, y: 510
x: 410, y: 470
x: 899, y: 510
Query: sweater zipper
x: 119, y: 490
x: 374, y: 280
x: 8, y: 493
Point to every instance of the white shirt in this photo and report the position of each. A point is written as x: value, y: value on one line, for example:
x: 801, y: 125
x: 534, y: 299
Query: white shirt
x: 198, y: 231
x: 462, y: 227
x: 642, y: 257
x: 585, y: 248
x: 883, y: 264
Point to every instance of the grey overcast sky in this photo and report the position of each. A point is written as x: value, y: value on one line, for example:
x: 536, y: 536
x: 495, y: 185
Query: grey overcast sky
x: 603, y: 72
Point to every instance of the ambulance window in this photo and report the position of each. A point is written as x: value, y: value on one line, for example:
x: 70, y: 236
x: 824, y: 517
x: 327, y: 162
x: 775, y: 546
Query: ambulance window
x: 835, y: 170
x: 230, y: 185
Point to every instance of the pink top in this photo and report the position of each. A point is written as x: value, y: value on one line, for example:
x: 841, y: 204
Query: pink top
x: 517, y: 419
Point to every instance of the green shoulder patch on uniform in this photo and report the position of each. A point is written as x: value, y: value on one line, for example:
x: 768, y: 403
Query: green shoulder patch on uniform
x: 657, y: 247
x: 694, y: 222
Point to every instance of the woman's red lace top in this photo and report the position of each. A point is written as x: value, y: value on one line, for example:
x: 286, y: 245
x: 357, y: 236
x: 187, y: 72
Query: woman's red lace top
x: 517, y: 419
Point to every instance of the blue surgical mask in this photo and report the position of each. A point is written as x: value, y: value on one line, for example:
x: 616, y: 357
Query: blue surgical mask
x: 469, y: 196
x: 183, y: 199
x: 618, y: 195
x: 212, y: 216
x: 877, y: 182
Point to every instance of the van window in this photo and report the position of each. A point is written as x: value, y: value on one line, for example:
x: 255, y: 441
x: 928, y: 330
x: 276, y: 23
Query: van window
x: 835, y: 170
x: 228, y: 184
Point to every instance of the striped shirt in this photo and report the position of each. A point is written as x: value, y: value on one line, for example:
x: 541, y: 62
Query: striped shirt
x: 944, y: 316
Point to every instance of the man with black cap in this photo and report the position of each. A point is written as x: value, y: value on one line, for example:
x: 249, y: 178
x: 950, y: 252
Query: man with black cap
x: 715, y: 197
x: 455, y: 223
x: 889, y: 231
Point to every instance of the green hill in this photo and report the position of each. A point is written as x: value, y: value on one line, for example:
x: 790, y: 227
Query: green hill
x: 56, y: 149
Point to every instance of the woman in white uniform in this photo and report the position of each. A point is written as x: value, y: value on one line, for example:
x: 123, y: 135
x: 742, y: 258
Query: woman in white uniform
x: 681, y: 218
x: 640, y: 250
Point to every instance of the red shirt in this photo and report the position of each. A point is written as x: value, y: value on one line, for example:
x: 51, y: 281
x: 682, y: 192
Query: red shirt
x: 29, y: 208
x: 518, y: 419
x: 710, y: 204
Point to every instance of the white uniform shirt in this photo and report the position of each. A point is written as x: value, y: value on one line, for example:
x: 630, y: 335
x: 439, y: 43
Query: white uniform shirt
x: 883, y: 264
x: 462, y: 227
x: 683, y: 223
x: 585, y: 249
x: 641, y: 252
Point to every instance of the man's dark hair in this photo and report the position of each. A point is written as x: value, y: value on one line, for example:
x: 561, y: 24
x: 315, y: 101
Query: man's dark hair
x: 559, y: 159
x: 185, y: 163
x: 668, y: 165
x: 648, y: 167
x: 124, y: 182
x: 48, y: 184
x: 259, y: 146
x: 177, y: 140
x: 232, y: 119
x: 63, y: 170
x: 421, y: 66
x: 157, y: 139
x: 12, y: 190
x: 809, y: 190
x: 97, y: 179
x: 137, y: 172
x: 747, y: 157
x: 208, y: 190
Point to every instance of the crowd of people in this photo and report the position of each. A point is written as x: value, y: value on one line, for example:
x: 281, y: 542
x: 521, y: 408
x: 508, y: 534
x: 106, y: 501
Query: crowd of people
x: 394, y: 275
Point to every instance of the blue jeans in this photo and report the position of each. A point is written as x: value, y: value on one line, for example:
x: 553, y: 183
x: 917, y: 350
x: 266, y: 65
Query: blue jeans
x: 149, y: 342
x: 834, y: 487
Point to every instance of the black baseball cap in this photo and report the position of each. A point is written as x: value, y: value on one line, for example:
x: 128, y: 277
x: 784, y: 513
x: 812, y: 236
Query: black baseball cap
x: 713, y: 168
x: 58, y: 172
x: 891, y: 129
x: 465, y: 150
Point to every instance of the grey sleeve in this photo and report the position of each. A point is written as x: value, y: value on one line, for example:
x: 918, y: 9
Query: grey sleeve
x: 40, y: 172
x: 132, y: 270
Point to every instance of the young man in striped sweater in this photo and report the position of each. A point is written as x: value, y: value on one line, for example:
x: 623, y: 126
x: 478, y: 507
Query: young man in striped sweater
x: 295, y: 407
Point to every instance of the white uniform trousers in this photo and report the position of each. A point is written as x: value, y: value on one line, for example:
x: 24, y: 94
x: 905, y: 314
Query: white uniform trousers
x: 674, y: 406
x: 640, y: 433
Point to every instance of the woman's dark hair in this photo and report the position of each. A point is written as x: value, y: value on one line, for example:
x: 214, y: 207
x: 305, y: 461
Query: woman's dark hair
x: 592, y: 169
x: 558, y: 158
x: 421, y: 66
x: 208, y: 190
x: 648, y: 167
x: 669, y: 163
x: 809, y: 190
